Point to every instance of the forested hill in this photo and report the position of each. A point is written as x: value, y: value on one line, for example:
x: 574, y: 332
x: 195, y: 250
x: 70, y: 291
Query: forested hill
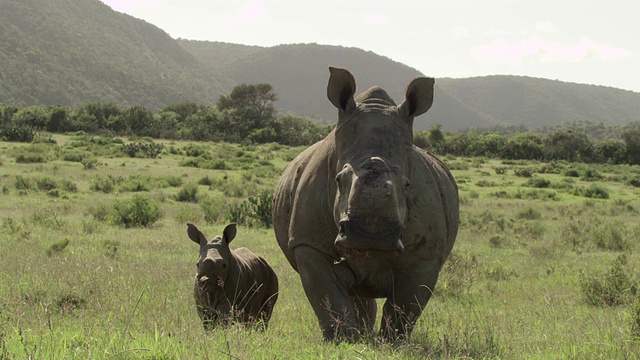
x: 537, y: 102
x: 299, y: 74
x: 74, y: 52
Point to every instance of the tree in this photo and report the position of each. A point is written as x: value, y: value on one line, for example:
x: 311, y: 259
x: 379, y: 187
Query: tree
x: 568, y: 145
x: 631, y: 138
x: 250, y: 107
x: 139, y: 120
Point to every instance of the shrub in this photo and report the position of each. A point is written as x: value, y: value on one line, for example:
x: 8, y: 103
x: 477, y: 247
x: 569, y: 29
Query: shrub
x: 46, y: 183
x: 635, y: 319
x: 500, y: 170
x: 29, y: 158
x: 137, y: 211
x: 596, y: 192
x: 172, y: 180
x: 634, y: 181
x: 572, y: 173
x: 261, y: 207
x: 206, y: 180
x: 522, y: 172
x: 529, y: 214
x: 458, y: 274
x: 591, y: 175
x: 538, y: 182
x: 240, y: 213
x: 23, y: 183
x: 212, y: 207
x: 136, y: 184
x: 17, y: 133
x: 89, y: 163
x: 57, y: 247
x: 143, y: 150
x: 188, y: 193
x: 607, y: 289
x: 105, y: 185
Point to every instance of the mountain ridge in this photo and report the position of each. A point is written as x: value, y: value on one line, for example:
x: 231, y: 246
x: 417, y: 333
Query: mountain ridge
x: 73, y: 52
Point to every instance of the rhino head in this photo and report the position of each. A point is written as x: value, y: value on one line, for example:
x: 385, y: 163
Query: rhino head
x: 374, y: 144
x: 215, y: 257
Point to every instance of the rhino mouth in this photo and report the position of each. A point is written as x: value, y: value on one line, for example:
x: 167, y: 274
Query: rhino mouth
x: 351, y: 237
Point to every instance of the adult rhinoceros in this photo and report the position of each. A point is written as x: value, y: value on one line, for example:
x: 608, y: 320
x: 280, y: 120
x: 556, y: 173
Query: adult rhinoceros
x: 364, y: 214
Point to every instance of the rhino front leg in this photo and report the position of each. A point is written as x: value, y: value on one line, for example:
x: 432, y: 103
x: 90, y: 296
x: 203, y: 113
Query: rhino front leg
x: 327, y: 285
x: 411, y: 293
x: 365, y: 313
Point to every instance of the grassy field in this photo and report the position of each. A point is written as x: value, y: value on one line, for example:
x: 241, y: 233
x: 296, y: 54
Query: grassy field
x: 546, y: 264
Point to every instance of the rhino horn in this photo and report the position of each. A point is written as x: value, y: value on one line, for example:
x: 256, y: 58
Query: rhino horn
x: 341, y: 88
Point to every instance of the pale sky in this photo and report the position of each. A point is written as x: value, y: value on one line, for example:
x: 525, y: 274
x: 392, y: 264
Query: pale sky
x: 582, y: 41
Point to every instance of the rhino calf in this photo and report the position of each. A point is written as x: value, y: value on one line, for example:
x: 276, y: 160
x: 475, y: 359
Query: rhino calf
x: 232, y: 285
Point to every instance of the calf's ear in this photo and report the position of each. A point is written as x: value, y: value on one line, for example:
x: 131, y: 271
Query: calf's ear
x: 229, y: 233
x: 196, y: 235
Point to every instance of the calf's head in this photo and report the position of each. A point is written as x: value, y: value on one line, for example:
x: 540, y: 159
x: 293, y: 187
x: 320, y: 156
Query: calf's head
x: 215, y: 256
x: 374, y: 145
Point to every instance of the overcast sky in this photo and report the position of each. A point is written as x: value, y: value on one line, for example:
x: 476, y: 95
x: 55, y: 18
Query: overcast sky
x: 585, y: 41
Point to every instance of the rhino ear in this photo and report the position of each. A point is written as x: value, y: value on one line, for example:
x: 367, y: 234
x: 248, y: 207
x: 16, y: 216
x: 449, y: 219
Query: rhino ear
x: 196, y: 235
x: 229, y: 233
x: 341, y: 88
x: 418, y: 98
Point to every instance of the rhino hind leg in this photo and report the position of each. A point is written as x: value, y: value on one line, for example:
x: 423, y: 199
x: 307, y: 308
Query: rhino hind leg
x: 402, y: 310
x: 327, y: 287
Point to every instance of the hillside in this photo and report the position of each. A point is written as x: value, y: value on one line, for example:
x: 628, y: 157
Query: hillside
x: 536, y: 102
x: 72, y: 52
x: 299, y: 75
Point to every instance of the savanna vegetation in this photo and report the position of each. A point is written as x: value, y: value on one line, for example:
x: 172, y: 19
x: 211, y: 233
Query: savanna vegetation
x: 96, y: 262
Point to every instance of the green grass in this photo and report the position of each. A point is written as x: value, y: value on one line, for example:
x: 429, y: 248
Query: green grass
x: 75, y: 284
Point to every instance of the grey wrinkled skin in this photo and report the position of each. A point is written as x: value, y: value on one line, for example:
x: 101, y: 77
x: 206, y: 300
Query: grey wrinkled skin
x: 232, y: 285
x: 364, y: 214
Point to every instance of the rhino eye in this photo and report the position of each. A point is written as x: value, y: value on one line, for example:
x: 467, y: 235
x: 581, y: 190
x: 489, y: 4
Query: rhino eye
x: 338, y: 180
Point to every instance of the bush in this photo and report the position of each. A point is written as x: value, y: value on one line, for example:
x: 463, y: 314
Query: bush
x: 171, y: 180
x: 634, y: 181
x: 538, y: 182
x: 23, y: 183
x: 105, y: 185
x: 591, y: 175
x: 46, y: 183
x: 143, y: 150
x: 188, y: 193
x: 522, y: 172
x: 89, y: 163
x: 240, y: 213
x: 500, y: 170
x: 261, y: 207
x: 529, y: 214
x: 596, y: 192
x: 29, y: 158
x: 212, y: 207
x: 609, y: 289
x: 17, y: 133
x: 137, y: 211
x: 571, y: 173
